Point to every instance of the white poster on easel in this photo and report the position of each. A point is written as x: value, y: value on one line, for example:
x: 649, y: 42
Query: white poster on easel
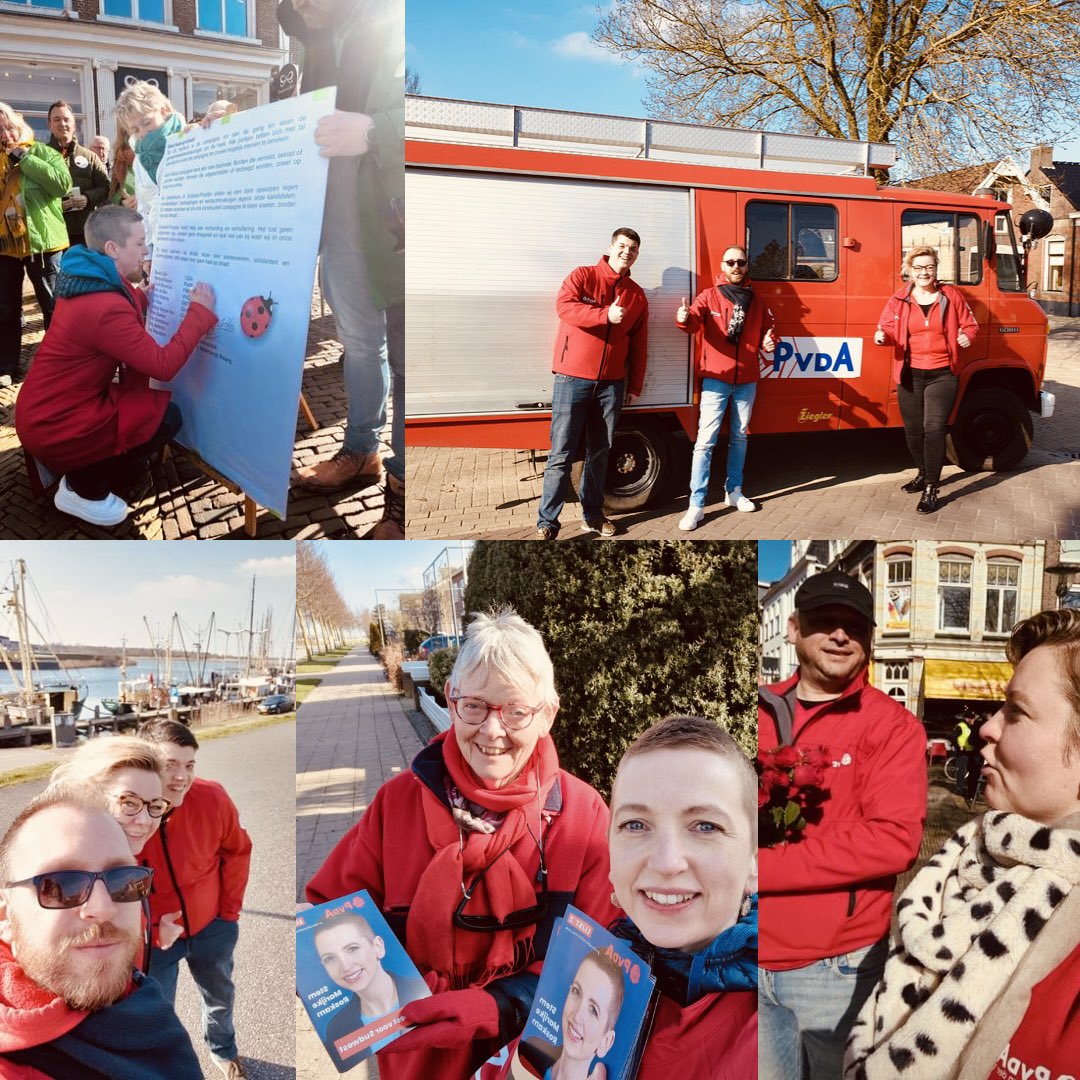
x: 241, y: 207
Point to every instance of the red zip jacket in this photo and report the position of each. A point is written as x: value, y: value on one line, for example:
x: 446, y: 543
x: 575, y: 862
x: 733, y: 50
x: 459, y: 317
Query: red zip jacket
x: 831, y: 892
x: 955, y: 316
x: 713, y: 1039
x: 200, y: 855
x: 588, y: 346
x: 719, y: 358
x: 387, y: 851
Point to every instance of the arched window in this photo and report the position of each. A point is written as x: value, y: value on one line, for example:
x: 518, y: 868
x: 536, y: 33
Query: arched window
x: 954, y: 593
x: 1002, y: 594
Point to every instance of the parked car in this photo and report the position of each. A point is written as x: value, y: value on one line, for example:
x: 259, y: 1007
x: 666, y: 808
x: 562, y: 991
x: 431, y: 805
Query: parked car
x: 437, y: 642
x: 277, y: 703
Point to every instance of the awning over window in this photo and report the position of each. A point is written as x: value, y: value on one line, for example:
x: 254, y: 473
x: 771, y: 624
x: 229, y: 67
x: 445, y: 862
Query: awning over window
x: 969, y: 680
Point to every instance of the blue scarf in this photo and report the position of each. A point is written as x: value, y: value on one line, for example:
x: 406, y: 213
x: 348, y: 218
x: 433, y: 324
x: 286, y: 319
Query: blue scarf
x: 729, y: 962
x: 150, y: 149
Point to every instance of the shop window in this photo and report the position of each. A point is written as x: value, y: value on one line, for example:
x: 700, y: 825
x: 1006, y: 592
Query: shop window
x: 792, y: 241
x: 896, y: 682
x: 954, y: 595
x: 30, y: 87
x: 143, y: 10
x: 1055, y: 264
x: 226, y: 17
x: 1002, y: 591
x: 205, y: 92
x: 1072, y: 598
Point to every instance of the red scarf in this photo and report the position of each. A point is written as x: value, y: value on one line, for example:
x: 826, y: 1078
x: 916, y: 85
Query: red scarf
x: 29, y: 1014
x: 463, y: 958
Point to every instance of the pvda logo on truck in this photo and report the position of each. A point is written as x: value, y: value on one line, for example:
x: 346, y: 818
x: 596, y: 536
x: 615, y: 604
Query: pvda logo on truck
x: 814, y: 358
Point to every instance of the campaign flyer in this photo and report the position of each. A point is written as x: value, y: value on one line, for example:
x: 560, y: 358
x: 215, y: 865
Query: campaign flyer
x: 353, y: 976
x: 589, y: 1017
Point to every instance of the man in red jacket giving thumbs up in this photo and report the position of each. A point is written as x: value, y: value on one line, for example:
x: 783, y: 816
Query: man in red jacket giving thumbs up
x: 599, y: 362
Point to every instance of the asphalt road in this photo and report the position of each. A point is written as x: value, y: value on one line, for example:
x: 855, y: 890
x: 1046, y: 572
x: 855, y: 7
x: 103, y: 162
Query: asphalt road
x: 258, y: 768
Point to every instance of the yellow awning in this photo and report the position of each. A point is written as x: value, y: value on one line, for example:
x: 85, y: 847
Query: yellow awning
x: 970, y: 680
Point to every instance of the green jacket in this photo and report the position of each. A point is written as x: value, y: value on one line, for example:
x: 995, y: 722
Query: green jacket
x: 44, y: 182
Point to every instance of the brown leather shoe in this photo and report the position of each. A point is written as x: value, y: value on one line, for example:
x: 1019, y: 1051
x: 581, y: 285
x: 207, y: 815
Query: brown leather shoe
x: 344, y: 470
x: 392, y: 526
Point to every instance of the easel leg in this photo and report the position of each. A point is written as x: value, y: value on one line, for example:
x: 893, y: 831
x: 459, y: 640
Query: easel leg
x: 309, y: 416
x: 250, y: 513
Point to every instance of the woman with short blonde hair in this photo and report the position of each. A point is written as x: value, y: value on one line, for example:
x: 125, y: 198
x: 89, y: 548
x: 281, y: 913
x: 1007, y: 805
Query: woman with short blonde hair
x: 129, y: 772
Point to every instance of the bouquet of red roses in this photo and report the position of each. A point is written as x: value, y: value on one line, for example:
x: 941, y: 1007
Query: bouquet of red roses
x: 791, y: 790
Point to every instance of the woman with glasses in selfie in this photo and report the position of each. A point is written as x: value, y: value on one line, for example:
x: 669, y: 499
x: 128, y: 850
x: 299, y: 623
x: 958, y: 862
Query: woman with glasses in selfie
x: 737, y: 326
x: 927, y: 323
x: 474, y: 853
x: 983, y: 975
x: 128, y: 772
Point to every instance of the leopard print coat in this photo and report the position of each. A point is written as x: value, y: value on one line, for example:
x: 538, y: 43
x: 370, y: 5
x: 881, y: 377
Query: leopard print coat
x: 965, y: 923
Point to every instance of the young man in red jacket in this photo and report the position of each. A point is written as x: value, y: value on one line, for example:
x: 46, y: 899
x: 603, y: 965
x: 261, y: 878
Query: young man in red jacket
x: 87, y: 410
x: 71, y: 1002
x: 599, y: 365
x: 738, y: 326
x: 826, y: 898
x: 200, y: 855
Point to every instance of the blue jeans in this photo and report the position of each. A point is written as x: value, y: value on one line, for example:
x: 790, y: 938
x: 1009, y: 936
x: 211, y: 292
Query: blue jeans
x: 373, y: 340
x: 715, y: 396
x: 805, y: 1015
x: 209, y: 955
x: 579, y: 405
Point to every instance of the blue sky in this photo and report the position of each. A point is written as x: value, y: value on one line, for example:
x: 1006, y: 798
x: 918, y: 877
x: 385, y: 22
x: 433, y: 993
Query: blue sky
x: 532, y: 54
x: 95, y: 593
x: 774, y: 559
x: 518, y: 54
x: 390, y: 565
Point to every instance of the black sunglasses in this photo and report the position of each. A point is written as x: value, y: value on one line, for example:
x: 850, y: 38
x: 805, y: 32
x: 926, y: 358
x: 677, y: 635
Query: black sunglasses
x: 734, y: 262
x: 516, y: 919
x: 72, y: 888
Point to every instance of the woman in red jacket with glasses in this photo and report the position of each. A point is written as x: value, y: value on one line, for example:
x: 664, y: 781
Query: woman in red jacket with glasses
x: 475, y: 852
x: 928, y: 323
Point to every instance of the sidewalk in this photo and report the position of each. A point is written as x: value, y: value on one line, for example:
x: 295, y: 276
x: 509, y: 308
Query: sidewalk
x: 178, y: 501
x: 352, y: 735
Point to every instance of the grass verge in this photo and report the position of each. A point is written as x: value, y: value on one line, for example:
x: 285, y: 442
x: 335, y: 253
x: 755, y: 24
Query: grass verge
x: 309, y: 673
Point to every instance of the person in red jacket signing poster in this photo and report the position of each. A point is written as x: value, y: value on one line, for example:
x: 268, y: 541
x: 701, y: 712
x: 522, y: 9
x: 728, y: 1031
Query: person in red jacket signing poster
x: 737, y: 327
x: 599, y: 365
x: 201, y: 856
x: 87, y: 409
x: 826, y: 898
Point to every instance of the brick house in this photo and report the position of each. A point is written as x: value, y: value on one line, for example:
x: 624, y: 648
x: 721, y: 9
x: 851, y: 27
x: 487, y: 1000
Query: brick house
x: 84, y: 52
x: 1053, y: 274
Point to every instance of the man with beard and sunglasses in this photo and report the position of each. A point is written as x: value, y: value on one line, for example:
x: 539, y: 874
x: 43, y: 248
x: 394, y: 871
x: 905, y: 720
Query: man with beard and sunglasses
x: 737, y: 327
x: 72, y: 1005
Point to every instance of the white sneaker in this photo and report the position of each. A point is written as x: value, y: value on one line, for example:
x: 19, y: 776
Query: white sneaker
x: 692, y: 519
x: 737, y: 499
x: 111, y: 510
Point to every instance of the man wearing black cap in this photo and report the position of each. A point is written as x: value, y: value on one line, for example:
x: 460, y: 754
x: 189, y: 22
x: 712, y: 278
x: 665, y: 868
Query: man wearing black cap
x: 826, y: 898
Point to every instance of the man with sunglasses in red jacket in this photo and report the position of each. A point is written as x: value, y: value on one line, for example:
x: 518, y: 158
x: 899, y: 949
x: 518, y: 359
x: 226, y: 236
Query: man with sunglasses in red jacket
x: 72, y: 1003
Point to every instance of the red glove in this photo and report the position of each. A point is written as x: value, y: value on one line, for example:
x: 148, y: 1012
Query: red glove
x: 446, y: 1021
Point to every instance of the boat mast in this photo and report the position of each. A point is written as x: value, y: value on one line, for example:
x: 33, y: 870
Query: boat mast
x: 18, y: 597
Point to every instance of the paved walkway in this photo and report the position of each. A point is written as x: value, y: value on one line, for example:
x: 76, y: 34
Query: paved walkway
x: 846, y: 484
x: 178, y: 501
x: 352, y: 735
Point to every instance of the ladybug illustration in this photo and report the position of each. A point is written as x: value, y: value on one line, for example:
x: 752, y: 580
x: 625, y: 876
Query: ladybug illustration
x: 256, y: 315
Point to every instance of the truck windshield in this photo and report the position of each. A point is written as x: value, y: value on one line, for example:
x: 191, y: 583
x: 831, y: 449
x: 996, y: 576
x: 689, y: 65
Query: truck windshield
x: 1007, y: 257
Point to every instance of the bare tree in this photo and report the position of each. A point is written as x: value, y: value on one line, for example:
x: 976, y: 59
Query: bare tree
x: 322, y: 614
x: 948, y: 81
x: 412, y: 81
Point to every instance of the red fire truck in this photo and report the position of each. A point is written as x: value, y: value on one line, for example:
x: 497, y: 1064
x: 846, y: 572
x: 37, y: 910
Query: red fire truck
x: 505, y: 201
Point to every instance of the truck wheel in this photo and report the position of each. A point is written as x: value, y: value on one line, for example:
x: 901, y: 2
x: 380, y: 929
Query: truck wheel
x: 992, y: 431
x: 640, y: 465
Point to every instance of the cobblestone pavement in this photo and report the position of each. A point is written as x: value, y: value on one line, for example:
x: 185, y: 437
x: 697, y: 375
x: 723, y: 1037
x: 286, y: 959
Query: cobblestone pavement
x: 812, y: 485
x: 178, y: 501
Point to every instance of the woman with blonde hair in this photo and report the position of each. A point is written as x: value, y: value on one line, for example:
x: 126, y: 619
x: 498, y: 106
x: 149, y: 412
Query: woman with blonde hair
x: 983, y: 977
x: 149, y: 118
x: 33, y: 180
x: 927, y: 323
x: 129, y: 773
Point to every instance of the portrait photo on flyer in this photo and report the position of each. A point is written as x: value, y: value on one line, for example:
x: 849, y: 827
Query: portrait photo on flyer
x: 353, y: 977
